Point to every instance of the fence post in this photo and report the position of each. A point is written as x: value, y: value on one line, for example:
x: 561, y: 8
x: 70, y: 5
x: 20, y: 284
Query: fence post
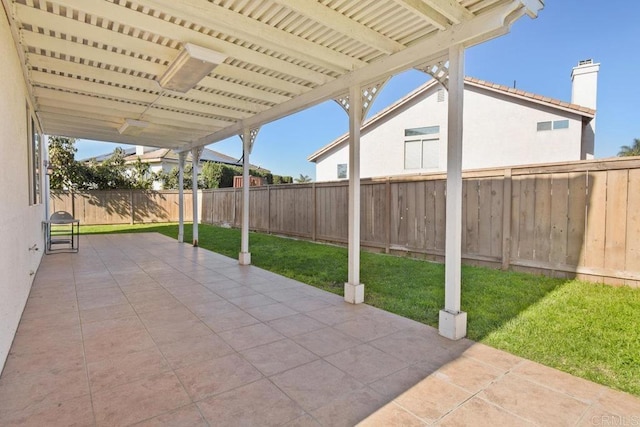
x: 506, y: 219
x: 268, y: 209
x: 131, y: 209
x: 235, y: 197
x: 314, y: 215
x: 387, y: 246
x: 211, y: 207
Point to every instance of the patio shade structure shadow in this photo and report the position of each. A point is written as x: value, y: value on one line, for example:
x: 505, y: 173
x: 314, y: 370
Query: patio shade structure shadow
x: 135, y: 328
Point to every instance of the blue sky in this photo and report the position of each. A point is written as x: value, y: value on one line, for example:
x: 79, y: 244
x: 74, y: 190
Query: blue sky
x: 538, y: 54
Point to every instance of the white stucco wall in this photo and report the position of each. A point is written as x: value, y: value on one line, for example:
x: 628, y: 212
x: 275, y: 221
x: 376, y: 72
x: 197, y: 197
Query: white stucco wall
x: 498, y: 131
x: 20, y: 226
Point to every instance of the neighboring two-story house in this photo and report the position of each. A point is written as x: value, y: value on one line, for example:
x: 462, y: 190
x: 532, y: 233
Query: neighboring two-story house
x: 503, y: 126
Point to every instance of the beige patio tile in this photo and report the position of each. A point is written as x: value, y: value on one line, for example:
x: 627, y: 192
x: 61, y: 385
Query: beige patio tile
x: 52, y: 386
x: 268, y: 407
x: 278, y: 356
x: 147, y: 301
x: 112, y: 372
x: 315, y: 384
x: 304, y: 421
x: 178, y: 330
x: 296, y: 324
x: 65, y: 356
x: 53, y: 306
x: 492, y: 356
x: 57, y: 343
x: 469, y: 374
x: 349, y: 409
x: 194, y: 349
x: 270, y: 312
x: 136, y: 286
x: 249, y: 301
x: 58, y: 325
x: 219, y: 283
x: 114, y: 326
x: 235, y: 292
x: 414, y: 347
x: 107, y: 312
x: 367, y: 328
x: 613, y: 408
x: 306, y: 304
x: 102, y: 297
x: 397, y: 383
x: 75, y: 412
x: 196, y: 294
x: 392, y: 415
x: 282, y: 295
x: 431, y: 398
x: 227, y: 320
x: 187, y: 416
x: 209, y: 308
x: 250, y: 336
x: 139, y: 400
x: 324, y: 342
x: 534, y: 402
x: 560, y: 381
x: 478, y: 412
x: 341, y: 313
x: 366, y: 363
x: 116, y: 344
x: 216, y: 376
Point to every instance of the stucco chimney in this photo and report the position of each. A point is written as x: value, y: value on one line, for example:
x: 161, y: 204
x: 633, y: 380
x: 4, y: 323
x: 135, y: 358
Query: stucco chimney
x: 139, y: 150
x: 584, y: 91
x: 584, y: 83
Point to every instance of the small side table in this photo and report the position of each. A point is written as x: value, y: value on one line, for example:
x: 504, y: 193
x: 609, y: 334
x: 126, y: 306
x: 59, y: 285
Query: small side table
x: 62, y: 233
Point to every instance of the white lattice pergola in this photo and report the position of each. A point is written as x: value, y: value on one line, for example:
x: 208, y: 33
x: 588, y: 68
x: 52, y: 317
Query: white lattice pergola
x: 93, y: 68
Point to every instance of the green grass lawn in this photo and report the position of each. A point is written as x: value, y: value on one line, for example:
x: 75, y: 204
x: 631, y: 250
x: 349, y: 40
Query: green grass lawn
x: 588, y: 330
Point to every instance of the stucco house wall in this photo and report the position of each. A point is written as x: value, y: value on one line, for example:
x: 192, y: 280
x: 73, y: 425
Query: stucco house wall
x: 499, y: 130
x: 20, y: 229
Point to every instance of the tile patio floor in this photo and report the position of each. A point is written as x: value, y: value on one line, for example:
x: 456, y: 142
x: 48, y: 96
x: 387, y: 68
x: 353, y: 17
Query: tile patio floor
x: 140, y: 329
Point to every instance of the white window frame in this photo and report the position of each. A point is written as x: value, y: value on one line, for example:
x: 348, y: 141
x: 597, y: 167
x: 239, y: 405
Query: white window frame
x: 430, y: 138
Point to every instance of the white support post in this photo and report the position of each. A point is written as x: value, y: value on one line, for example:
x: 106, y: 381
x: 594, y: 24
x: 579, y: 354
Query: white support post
x: 453, y: 322
x: 195, y: 159
x: 244, y: 258
x: 182, y: 157
x: 47, y: 182
x: 353, y: 289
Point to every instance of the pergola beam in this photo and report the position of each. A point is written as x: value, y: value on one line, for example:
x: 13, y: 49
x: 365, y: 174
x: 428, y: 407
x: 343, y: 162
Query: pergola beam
x: 427, y: 12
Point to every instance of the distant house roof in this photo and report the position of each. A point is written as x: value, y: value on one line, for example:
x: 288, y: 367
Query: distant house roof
x: 421, y: 93
x: 159, y: 154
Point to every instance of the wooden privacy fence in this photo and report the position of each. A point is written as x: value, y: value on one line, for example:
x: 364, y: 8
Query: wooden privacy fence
x: 121, y: 206
x: 574, y: 219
